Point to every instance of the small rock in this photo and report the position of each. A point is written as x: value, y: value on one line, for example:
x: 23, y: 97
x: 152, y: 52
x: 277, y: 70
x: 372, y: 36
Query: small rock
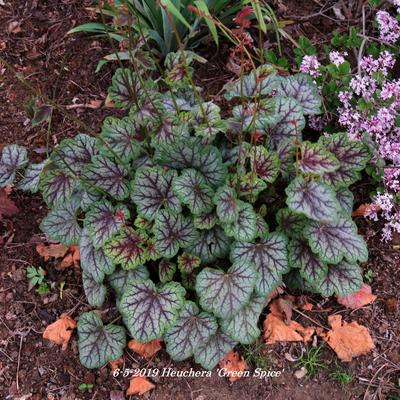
x: 300, y: 373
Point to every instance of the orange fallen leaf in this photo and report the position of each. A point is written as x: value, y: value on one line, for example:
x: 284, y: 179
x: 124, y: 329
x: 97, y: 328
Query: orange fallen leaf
x: 139, y: 385
x: 60, y: 332
x: 360, y: 211
x: 72, y: 258
x: 146, y: 350
x: 348, y: 340
x: 307, y: 306
x: 51, y: 250
x: 116, y: 363
x: 277, y: 327
x: 359, y: 299
x: 233, y: 365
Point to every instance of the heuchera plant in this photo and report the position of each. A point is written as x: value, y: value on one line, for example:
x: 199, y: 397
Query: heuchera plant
x: 192, y: 219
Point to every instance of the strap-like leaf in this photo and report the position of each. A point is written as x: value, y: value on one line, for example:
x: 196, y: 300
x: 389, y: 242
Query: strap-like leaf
x: 302, y: 88
x: 152, y: 191
x: 210, y: 353
x: 192, y: 190
x: 61, y: 224
x: 245, y: 226
x: 166, y: 270
x: 121, y: 138
x: 107, y: 175
x: 270, y: 258
x: 334, y: 241
x: 352, y: 156
x: 225, y: 293
x: 97, y: 343
x: 31, y: 178
x: 226, y: 202
x: 342, y: 279
x: 120, y: 278
x: 210, y: 245
x: 315, y: 159
x: 311, y: 267
x: 149, y: 311
x: 290, y: 223
x: 13, y: 157
x: 128, y: 248
x: 103, y: 222
x: 74, y: 153
x: 95, y: 292
x: 56, y: 187
x: 93, y: 261
x: 314, y: 199
x: 264, y: 163
x: 190, y: 331
x: 243, y: 326
x: 172, y: 231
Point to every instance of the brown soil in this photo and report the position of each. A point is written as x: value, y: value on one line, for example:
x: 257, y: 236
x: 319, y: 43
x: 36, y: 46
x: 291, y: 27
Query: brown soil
x: 62, y: 67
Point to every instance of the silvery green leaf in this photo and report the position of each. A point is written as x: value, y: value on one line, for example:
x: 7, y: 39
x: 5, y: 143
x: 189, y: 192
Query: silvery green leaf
x: 31, y: 178
x: 95, y: 292
x: 290, y: 222
x: 265, y: 163
x: 227, y: 204
x: 166, y: 270
x: 245, y: 226
x: 56, y: 187
x: 346, y: 200
x: 13, y: 158
x: 315, y: 159
x: 205, y: 221
x: 120, y: 278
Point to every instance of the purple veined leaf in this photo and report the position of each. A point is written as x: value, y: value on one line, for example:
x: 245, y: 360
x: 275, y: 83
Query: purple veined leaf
x: 225, y: 293
x: 193, y: 191
x: 149, y: 112
x: 286, y: 154
x: 184, y: 98
x: 261, y: 226
x: 245, y: 226
x: 166, y: 270
x: 205, y: 221
x: 73, y: 154
x: 107, y: 175
x: 122, y: 138
x: 152, y: 252
x: 189, y: 280
x: 127, y: 248
x: 302, y: 88
x: 231, y: 155
x: 250, y: 185
x: 264, y: 163
x: 149, y: 311
x: 103, y: 221
x: 210, y: 245
x: 346, y: 200
x: 188, y: 262
x: 311, y: 267
x: 291, y: 121
x: 209, y: 127
x: 192, y: 329
x: 342, y: 279
x: 56, y: 187
x: 209, y: 354
x: 334, y: 241
x: 169, y: 131
x: 257, y: 83
x: 152, y: 192
x: 270, y: 258
x: 95, y: 292
x: 294, y: 280
x: 13, y: 158
x: 31, y: 178
x: 61, y: 224
x: 173, y: 231
x: 98, y: 343
x: 142, y: 161
x: 125, y: 89
x: 93, y: 261
x: 227, y: 204
x: 290, y: 223
x: 315, y: 159
x: 315, y: 200
x: 243, y: 326
x: 87, y: 197
x: 190, y: 153
x: 353, y: 157
x: 143, y: 224
x: 120, y: 278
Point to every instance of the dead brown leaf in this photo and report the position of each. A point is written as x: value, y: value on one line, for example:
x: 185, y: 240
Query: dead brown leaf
x: 14, y: 27
x: 51, y: 251
x: 139, y: 385
x: 114, y: 364
x: 60, y: 332
x: 277, y: 327
x: 359, y: 299
x: 145, y: 350
x: 7, y: 206
x: 348, y: 340
x: 360, y: 211
x: 233, y: 365
x: 72, y: 258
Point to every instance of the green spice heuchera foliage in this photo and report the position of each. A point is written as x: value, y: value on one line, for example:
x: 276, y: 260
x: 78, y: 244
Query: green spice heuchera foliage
x: 192, y: 219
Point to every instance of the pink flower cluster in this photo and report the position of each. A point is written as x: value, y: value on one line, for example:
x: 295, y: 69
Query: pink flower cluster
x: 389, y: 27
x: 310, y: 66
x: 337, y: 57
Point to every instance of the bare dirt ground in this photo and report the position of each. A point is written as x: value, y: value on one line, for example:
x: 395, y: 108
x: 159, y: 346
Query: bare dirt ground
x: 33, y: 39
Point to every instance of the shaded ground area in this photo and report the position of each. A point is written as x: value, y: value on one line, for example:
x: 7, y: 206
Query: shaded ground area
x: 33, y: 39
